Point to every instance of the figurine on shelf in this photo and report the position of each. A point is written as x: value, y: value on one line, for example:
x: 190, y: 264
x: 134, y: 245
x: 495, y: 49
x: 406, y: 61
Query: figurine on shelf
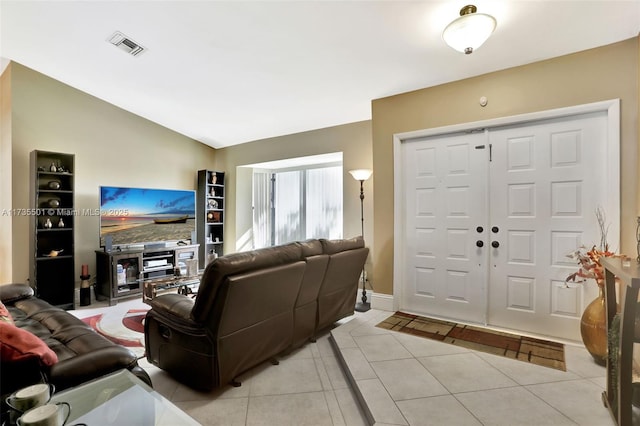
x: 53, y: 168
x: 211, y: 256
x: 47, y: 224
x: 61, y: 223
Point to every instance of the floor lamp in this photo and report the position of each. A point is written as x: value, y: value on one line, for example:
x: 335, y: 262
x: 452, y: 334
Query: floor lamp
x: 362, y: 175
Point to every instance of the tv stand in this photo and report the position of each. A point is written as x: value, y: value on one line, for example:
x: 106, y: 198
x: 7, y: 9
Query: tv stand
x: 154, y: 246
x: 120, y: 274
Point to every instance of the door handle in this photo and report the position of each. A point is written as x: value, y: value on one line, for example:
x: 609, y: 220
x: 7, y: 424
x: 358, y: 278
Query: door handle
x: 479, y: 243
x: 495, y: 244
x: 479, y: 229
x: 495, y: 229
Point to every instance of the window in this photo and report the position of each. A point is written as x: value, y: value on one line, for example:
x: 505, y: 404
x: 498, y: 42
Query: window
x: 297, y: 203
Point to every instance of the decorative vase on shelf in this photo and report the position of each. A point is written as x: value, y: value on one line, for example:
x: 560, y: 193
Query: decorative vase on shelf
x: 593, y: 327
x: 53, y: 168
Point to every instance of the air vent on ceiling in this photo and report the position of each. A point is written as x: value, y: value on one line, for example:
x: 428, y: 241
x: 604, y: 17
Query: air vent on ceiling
x: 123, y: 42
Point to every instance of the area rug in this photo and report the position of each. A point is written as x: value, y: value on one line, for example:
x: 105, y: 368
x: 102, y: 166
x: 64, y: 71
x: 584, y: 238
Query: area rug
x: 528, y: 349
x: 124, y: 329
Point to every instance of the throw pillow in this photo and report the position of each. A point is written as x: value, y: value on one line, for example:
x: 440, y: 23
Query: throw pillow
x: 5, y: 315
x: 17, y: 344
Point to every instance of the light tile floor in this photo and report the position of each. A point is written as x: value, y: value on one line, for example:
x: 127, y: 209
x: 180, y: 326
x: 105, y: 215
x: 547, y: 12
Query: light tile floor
x: 358, y: 374
x: 409, y: 380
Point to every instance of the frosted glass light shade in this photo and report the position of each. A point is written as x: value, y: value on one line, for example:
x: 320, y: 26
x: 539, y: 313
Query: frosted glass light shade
x: 469, y: 31
x: 361, y: 174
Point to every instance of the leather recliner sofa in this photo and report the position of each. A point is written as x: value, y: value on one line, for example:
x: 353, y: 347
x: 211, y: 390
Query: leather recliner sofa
x: 82, y: 354
x: 251, y: 307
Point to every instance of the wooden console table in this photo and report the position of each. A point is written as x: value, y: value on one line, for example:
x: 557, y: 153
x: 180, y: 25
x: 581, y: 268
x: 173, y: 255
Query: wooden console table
x: 622, y: 391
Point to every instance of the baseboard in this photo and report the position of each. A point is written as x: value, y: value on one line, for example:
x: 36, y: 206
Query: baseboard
x: 381, y: 301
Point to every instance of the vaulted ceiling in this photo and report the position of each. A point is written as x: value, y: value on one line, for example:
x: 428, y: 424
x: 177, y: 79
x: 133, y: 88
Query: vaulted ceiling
x: 228, y: 72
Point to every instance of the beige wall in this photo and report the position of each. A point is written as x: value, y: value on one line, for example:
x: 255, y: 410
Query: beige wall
x: 353, y: 140
x: 595, y: 75
x: 5, y: 176
x: 114, y: 147
x: 111, y: 147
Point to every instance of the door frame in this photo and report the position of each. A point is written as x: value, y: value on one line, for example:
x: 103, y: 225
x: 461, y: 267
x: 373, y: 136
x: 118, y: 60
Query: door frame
x: 612, y: 172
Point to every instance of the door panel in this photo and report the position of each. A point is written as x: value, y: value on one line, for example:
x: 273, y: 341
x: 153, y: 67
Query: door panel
x: 545, y: 186
x: 445, y: 196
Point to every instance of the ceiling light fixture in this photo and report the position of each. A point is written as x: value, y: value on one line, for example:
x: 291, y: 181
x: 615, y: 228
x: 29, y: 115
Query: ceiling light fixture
x: 468, y: 32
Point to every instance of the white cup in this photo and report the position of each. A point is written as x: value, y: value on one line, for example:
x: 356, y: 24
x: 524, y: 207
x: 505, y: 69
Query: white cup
x: 46, y: 415
x: 29, y: 397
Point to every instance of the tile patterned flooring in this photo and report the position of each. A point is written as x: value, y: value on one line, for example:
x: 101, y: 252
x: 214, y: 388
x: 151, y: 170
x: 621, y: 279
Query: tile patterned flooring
x: 408, y: 380
x: 358, y: 374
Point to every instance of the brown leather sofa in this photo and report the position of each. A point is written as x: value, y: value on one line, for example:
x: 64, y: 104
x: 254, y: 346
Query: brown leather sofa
x: 82, y: 353
x: 251, y: 307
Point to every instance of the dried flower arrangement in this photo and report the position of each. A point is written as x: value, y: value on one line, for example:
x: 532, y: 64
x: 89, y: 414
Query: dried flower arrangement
x: 589, y: 260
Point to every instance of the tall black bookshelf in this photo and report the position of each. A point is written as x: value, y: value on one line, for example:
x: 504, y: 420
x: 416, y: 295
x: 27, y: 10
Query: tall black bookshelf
x: 210, y: 214
x: 52, y: 223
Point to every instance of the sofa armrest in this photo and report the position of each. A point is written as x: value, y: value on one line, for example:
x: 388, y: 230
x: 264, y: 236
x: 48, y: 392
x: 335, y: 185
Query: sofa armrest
x: 10, y: 293
x: 174, y: 307
x: 88, y: 366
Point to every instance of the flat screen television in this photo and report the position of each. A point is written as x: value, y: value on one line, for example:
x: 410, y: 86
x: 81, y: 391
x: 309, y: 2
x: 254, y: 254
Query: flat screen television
x: 144, y: 216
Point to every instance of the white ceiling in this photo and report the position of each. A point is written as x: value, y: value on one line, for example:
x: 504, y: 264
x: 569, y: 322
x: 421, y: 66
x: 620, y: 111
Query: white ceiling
x: 228, y: 72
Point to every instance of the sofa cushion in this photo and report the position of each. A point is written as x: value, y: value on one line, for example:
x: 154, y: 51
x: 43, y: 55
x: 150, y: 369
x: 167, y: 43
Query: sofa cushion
x: 311, y: 247
x: 19, y: 345
x: 218, y: 270
x: 336, y: 246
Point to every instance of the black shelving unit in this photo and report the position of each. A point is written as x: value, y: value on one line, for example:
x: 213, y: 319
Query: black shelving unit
x: 52, y: 211
x: 210, y: 214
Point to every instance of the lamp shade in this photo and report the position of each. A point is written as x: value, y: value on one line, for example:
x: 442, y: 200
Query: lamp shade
x: 361, y: 174
x: 469, y: 31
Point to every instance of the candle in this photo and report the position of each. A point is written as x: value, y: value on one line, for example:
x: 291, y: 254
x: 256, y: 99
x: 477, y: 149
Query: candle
x: 85, y: 270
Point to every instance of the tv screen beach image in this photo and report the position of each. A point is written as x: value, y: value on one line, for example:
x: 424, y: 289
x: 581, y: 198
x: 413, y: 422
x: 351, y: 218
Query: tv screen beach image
x: 144, y: 215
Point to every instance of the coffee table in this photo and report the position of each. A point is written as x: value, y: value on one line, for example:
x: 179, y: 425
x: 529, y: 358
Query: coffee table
x: 184, y: 284
x: 120, y: 398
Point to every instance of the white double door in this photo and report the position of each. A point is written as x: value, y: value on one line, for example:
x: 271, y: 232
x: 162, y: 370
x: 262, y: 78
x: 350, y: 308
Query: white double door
x: 490, y: 216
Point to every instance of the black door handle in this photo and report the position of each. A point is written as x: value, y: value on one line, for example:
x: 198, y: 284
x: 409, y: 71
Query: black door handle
x: 479, y: 243
x: 495, y: 229
x: 495, y: 244
x: 479, y: 229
